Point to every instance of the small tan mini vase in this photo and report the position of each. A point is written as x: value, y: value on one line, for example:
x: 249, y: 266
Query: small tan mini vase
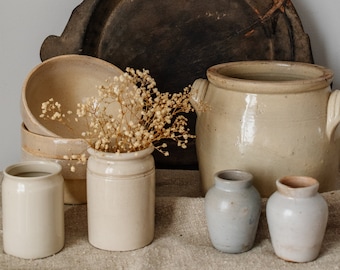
x: 269, y: 118
x: 297, y: 217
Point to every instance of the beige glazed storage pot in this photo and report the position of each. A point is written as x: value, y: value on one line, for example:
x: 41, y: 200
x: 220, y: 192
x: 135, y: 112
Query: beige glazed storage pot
x: 33, y: 209
x: 270, y: 118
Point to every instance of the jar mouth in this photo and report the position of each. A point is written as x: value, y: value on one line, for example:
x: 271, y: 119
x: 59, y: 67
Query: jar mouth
x: 233, y: 179
x: 298, y: 181
x: 297, y: 186
x: 234, y: 175
x: 32, y: 169
x: 121, y: 156
x: 270, y: 76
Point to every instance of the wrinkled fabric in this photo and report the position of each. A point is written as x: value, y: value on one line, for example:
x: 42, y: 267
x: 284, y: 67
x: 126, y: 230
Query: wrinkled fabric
x: 181, y: 238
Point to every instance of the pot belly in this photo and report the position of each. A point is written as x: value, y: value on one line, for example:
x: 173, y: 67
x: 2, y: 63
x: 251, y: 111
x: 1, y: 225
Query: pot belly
x: 267, y: 148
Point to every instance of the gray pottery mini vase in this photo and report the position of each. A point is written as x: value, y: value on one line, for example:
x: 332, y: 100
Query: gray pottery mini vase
x: 232, y: 208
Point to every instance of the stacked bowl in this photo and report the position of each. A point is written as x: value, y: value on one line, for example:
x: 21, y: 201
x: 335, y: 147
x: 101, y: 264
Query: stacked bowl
x: 69, y: 80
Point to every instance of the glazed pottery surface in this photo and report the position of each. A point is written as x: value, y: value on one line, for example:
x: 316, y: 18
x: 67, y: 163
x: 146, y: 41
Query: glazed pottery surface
x: 270, y: 118
x: 121, y: 199
x: 51, y: 146
x: 33, y: 209
x: 46, y: 148
x: 232, y: 208
x: 297, y: 217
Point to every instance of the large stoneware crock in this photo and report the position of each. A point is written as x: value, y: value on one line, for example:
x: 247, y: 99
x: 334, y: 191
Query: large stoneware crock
x: 270, y: 118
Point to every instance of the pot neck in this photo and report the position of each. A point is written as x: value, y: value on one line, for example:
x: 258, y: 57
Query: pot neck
x: 297, y: 186
x: 233, y: 179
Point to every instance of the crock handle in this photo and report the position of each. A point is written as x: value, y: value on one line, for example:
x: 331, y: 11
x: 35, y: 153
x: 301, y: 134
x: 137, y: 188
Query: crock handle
x: 333, y: 115
x: 198, y: 90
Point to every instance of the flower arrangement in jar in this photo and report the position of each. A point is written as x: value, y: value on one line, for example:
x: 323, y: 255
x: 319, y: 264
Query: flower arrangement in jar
x: 126, y: 121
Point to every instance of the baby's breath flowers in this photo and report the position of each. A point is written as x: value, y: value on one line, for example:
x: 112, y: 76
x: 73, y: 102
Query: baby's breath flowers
x: 130, y: 114
x: 51, y: 110
x: 79, y: 159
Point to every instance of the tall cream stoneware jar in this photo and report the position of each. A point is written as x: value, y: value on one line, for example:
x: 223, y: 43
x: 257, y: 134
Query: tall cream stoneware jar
x: 33, y: 209
x: 121, y: 199
x: 270, y: 118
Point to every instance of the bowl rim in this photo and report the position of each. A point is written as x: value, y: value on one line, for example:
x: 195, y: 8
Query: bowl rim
x: 40, y: 140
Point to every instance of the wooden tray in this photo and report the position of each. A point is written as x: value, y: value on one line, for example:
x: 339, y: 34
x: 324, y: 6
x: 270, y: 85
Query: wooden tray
x: 177, y: 40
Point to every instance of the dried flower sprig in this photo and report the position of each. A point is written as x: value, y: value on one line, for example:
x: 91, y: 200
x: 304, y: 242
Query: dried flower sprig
x: 130, y: 114
x: 75, y: 159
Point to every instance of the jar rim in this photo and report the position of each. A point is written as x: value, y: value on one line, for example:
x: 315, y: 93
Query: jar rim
x: 21, y: 169
x: 121, y: 156
x: 233, y: 178
x: 273, y: 77
x: 234, y: 175
x: 297, y: 186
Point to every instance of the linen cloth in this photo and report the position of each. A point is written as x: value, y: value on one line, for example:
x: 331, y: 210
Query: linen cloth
x: 181, y: 238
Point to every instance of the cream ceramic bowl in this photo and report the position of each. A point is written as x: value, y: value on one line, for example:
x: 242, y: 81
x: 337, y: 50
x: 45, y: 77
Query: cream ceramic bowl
x: 39, y: 147
x: 51, y: 147
x: 69, y: 79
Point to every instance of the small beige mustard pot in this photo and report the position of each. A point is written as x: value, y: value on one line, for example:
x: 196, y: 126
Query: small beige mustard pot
x: 270, y: 118
x: 33, y: 209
